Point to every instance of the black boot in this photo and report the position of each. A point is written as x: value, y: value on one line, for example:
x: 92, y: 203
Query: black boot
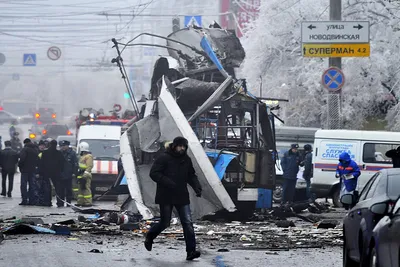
x: 148, y: 243
x: 193, y: 255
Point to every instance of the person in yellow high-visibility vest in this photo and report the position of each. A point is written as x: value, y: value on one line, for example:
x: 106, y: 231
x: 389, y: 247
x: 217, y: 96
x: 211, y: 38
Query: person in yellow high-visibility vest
x: 84, y: 177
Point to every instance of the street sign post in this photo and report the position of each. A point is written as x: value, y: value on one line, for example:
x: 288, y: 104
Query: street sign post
x: 336, y: 50
x: 338, y: 32
x: 54, y: 53
x: 193, y: 20
x: 333, y: 79
x: 29, y: 60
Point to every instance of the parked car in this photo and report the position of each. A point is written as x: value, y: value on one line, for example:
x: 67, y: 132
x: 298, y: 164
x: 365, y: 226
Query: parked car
x: 385, y: 243
x: 35, y: 132
x: 54, y: 130
x: 45, y: 115
x: 383, y: 187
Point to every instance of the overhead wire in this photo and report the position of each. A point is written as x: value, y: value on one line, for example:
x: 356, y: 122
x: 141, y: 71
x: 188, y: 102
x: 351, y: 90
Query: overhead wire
x: 4, y: 15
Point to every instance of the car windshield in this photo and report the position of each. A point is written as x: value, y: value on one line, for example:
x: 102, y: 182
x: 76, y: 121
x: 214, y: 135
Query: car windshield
x: 394, y: 187
x: 103, y: 149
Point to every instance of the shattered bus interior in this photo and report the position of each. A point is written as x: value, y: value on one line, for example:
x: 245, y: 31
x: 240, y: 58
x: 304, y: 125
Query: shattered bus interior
x: 195, y: 94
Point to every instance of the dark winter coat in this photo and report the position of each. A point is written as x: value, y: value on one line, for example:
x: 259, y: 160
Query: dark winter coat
x: 394, y: 154
x: 172, y: 173
x: 290, y: 165
x: 28, y: 159
x: 8, y: 160
x: 70, y: 164
x: 348, y: 167
x: 308, y: 167
x: 52, y: 163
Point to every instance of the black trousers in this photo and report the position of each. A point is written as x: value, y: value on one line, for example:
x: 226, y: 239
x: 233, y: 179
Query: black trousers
x: 63, y: 191
x: 289, y: 190
x: 4, y: 175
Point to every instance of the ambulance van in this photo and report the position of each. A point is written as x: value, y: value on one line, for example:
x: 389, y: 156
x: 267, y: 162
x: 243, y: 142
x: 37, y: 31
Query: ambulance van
x: 366, y: 148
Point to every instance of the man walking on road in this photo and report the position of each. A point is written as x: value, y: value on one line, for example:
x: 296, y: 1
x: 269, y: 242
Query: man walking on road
x: 172, y: 172
x: 27, y: 165
x: 51, y: 167
x: 8, y: 163
x: 70, y: 169
x: 290, y: 165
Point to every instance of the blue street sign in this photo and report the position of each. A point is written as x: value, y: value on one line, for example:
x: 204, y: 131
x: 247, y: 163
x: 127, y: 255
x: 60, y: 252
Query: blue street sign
x: 30, y: 60
x: 192, y: 20
x: 333, y: 79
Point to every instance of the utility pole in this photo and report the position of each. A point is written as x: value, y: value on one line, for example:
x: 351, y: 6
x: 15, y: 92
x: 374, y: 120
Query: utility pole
x: 334, y: 98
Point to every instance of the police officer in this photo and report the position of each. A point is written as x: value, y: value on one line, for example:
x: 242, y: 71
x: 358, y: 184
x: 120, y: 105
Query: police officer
x: 290, y: 165
x: 70, y: 168
x: 84, y: 177
x: 12, y: 129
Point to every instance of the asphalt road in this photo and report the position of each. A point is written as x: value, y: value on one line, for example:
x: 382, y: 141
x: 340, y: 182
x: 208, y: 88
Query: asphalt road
x: 53, y: 251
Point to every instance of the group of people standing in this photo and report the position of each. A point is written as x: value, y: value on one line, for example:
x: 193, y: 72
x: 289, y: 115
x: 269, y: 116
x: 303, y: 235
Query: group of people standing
x: 291, y: 163
x: 41, y: 166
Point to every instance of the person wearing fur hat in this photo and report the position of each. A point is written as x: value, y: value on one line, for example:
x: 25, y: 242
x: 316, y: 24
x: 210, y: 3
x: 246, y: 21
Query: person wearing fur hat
x: 172, y: 172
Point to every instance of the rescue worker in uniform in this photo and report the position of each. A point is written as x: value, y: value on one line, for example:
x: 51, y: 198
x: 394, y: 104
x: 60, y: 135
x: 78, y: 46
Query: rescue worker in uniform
x: 348, y: 172
x: 290, y: 166
x: 84, y: 177
x: 70, y: 167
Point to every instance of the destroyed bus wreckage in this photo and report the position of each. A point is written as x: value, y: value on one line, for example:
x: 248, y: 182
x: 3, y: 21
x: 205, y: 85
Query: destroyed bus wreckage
x: 230, y: 132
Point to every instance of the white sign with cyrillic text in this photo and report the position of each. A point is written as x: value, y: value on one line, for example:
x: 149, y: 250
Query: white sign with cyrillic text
x: 340, y: 32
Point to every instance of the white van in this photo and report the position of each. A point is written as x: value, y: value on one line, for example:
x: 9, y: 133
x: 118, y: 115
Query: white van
x: 366, y: 148
x: 104, y: 144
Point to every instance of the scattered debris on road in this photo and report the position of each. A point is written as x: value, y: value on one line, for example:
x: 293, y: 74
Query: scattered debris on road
x: 277, y: 229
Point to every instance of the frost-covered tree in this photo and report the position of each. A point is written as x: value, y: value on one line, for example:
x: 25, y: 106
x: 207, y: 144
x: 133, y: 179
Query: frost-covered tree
x: 273, y: 52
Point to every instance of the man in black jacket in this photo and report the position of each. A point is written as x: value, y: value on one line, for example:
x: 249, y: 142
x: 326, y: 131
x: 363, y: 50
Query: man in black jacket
x: 8, y: 163
x: 70, y: 169
x: 52, y: 167
x: 172, y: 172
x: 27, y: 165
x: 394, y: 154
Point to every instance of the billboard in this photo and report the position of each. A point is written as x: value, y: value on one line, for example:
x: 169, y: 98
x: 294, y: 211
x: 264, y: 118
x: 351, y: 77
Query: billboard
x: 244, y: 10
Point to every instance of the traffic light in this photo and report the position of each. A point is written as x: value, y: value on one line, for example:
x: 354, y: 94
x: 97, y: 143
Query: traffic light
x: 126, y: 96
x: 176, y: 24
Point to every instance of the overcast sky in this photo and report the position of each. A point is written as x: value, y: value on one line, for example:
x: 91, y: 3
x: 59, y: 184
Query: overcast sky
x: 83, y: 34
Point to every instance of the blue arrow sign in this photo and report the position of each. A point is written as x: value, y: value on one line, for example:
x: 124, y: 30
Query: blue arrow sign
x: 192, y: 20
x: 333, y: 79
x: 29, y: 60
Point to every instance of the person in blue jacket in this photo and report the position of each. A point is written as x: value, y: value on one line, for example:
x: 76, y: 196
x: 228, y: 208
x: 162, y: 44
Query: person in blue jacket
x: 290, y: 166
x: 345, y: 169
